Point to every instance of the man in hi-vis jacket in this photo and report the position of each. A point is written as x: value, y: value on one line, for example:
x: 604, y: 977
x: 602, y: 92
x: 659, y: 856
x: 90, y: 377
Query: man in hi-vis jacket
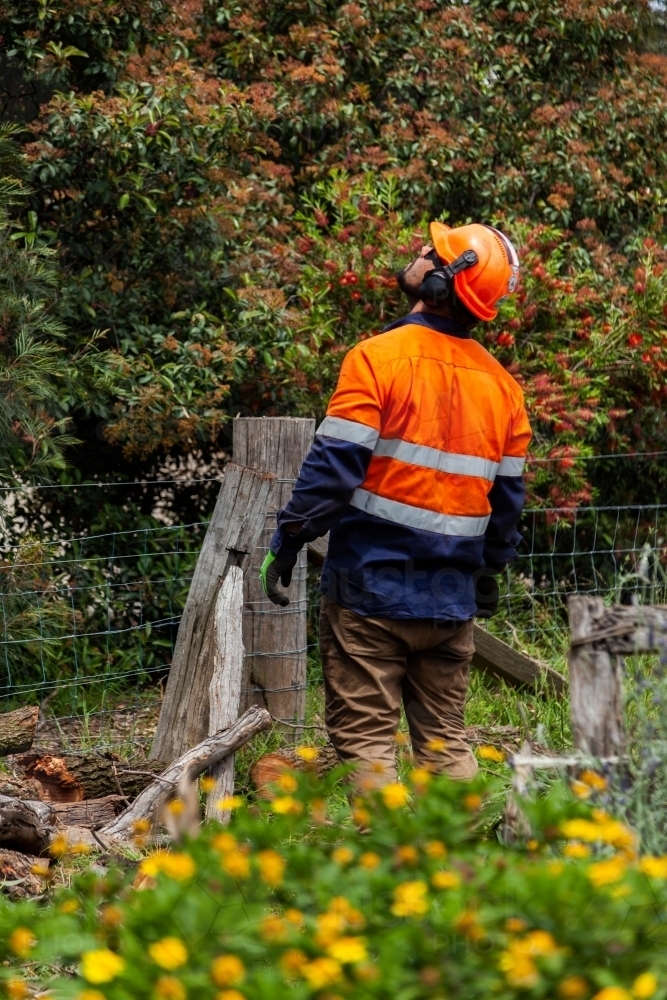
x: 417, y: 473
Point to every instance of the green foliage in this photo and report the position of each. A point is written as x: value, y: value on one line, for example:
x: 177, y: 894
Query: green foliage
x: 41, y: 381
x: 422, y: 905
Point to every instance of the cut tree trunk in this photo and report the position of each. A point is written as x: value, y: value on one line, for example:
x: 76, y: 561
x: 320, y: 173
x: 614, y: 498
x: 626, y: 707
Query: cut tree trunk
x: 225, y: 688
x: 275, y: 638
x: 17, y: 729
x: 191, y: 764
x: 91, y: 775
x: 26, y: 826
x: 266, y: 771
x: 232, y: 535
x: 16, y: 875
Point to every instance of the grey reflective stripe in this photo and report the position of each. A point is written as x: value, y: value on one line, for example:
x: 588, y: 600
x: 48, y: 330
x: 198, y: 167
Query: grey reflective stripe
x: 349, y: 430
x: 418, y: 517
x: 433, y: 458
x: 510, y: 466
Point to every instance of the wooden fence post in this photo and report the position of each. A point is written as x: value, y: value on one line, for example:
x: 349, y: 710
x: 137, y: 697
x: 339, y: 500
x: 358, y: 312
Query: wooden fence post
x: 275, y: 638
x: 596, y: 683
x: 232, y: 535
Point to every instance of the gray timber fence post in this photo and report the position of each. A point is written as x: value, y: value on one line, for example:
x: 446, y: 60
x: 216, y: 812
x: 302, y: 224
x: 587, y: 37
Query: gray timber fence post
x: 232, y: 534
x: 275, y: 639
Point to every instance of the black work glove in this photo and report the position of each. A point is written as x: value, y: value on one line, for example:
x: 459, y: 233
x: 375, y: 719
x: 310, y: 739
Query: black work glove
x: 487, y: 594
x: 275, y: 568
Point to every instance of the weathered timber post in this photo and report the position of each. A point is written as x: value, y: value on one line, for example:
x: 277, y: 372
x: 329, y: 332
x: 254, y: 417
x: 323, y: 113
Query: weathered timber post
x: 601, y: 637
x: 275, y: 638
x: 596, y: 683
x: 232, y: 535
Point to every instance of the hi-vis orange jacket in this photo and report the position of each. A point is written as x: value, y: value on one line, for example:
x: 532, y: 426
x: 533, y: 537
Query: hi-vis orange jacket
x: 417, y: 472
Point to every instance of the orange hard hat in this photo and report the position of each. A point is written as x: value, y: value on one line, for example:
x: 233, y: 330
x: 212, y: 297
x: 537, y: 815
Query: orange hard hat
x: 496, y: 273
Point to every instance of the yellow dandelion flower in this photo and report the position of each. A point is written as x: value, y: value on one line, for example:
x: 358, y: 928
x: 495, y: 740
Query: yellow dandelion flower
x: 224, y: 842
x: 468, y: 925
x: 491, y: 753
x: 581, y: 790
x: 178, y: 866
x: 271, y: 867
x: 410, y: 899
x: 272, y: 928
x: 322, y: 972
x: 309, y: 754
x: 472, y: 802
x: 514, y: 925
x: 348, y: 950
x: 236, y: 863
x: 286, y: 805
x: 69, y: 906
x: 555, y: 868
x: 435, y: 849
x: 207, y: 784
x: 90, y: 995
x: 230, y: 995
x: 175, y: 807
x: 520, y: 970
x: 342, y: 906
x: 420, y: 778
x: 16, y: 989
x: 537, y: 943
x: 401, y: 739
x: 294, y: 916
x: 361, y: 817
x: 169, y: 953
x: 613, y: 993
x: 605, y: 872
x: 111, y: 916
x: 532, y: 844
x: 406, y: 854
x: 141, y: 827
x: 437, y: 745
x: 653, y: 867
x: 580, y: 829
x: 101, y: 965
x: 81, y: 848
x: 395, y: 795
x: 644, y: 986
x: 292, y: 962
x: 59, y: 846
x: 41, y: 869
x: 170, y: 988
x: 617, y: 834
x: 22, y: 941
x: 229, y: 803
x: 287, y: 782
x: 445, y: 880
x: 342, y: 856
x: 593, y: 780
x: 329, y: 927
x: 227, y: 970
x: 573, y: 988
x: 369, y: 860
x: 574, y: 849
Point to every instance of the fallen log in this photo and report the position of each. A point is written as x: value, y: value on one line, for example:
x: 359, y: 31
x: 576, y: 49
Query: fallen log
x: 17, y: 729
x: 266, y: 771
x: 92, y: 775
x: 91, y: 813
x: 189, y: 765
x: 17, y: 879
x: 26, y: 826
x: 500, y: 660
x: 20, y: 788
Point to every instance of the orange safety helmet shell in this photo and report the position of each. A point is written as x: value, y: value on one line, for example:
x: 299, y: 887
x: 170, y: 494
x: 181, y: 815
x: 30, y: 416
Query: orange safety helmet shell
x: 482, y: 286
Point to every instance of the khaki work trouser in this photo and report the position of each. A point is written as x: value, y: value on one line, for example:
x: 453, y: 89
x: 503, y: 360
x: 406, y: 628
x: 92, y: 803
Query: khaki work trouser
x: 372, y: 664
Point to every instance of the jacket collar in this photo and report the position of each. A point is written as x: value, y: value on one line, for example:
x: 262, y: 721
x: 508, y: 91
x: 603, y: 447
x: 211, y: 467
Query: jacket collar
x: 433, y: 322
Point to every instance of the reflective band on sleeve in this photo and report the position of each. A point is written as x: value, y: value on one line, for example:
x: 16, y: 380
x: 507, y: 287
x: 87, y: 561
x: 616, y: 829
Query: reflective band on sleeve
x: 418, y: 517
x: 433, y: 458
x: 348, y: 430
x: 510, y: 466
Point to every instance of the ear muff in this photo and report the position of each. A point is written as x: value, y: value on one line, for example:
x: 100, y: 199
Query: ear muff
x: 437, y: 287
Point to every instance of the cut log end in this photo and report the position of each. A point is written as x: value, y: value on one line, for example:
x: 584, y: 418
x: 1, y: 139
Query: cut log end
x: 17, y: 730
x: 267, y: 770
x: 18, y: 878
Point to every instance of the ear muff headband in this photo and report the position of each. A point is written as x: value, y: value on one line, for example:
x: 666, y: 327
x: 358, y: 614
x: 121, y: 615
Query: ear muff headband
x: 438, y: 285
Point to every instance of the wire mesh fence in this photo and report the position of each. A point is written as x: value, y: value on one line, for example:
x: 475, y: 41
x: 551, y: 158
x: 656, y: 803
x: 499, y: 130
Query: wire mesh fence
x: 88, y: 623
